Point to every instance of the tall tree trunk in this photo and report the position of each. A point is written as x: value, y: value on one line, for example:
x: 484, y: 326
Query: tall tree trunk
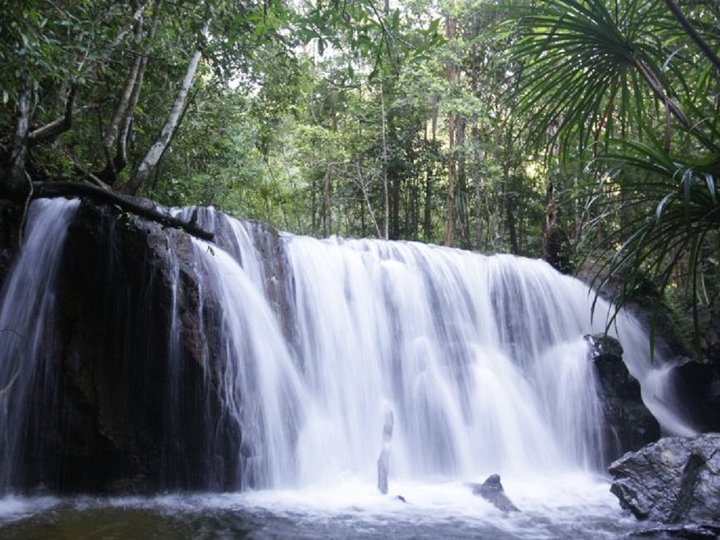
x: 386, y: 187
x: 427, y: 207
x: 327, y: 209
x: 509, y: 199
x: 313, y: 207
x: 113, y: 128
x: 461, y: 196
x: 477, y: 185
x: 475, y: 142
x: 156, y: 151
x: 452, y: 176
x: 451, y: 72
x: 363, y: 187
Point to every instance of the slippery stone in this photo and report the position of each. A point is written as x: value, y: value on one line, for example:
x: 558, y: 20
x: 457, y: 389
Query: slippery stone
x: 628, y: 423
x: 674, y: 480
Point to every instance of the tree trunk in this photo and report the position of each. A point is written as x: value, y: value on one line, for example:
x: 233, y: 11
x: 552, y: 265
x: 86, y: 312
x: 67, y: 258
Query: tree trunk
x: 363, y: 187
x: 386, y: 187
x: 156, y: 151
x: 111, y: 131
x: 451, y: 71
x: 510, y: 217
x: 452, y: 176
x: 313, y: 207
x: 327, y: 209
x: 427, y: 217
x: 477, y: 185
x: 461, y: 196
x: 15, y: 182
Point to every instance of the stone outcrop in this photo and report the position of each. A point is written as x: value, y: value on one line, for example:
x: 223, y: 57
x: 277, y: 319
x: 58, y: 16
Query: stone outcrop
x: 628, y: 424
x: 675, y: 480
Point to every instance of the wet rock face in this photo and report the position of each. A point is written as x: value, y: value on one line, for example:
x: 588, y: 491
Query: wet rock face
x: 698, y: 388
x: 675, y: 480
x: 629, y: 425
x: 126, y: 413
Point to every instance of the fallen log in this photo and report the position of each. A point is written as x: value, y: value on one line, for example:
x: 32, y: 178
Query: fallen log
x: 123, y: 202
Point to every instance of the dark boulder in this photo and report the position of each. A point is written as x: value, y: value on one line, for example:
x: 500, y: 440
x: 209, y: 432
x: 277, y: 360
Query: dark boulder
x: 675, y: 480
x: 628, y: 424
x: 492, y: 491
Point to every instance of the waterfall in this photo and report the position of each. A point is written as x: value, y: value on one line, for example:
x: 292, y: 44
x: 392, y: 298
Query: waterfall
x: 481, y: 359
x: 27, y: 311
x: 310, y: 344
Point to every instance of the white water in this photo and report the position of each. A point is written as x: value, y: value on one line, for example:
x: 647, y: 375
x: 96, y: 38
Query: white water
x: 481, y: 359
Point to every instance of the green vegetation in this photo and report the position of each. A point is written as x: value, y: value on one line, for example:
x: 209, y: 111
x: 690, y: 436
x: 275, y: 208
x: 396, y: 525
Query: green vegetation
x: 582, y: 131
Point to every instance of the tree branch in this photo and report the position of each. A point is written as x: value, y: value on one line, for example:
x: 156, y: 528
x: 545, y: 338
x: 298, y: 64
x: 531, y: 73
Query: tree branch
x: 104, y: 196
x: 54, y: 129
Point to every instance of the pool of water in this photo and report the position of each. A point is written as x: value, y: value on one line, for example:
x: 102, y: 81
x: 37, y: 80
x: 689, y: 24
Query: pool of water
x: 569, y: 506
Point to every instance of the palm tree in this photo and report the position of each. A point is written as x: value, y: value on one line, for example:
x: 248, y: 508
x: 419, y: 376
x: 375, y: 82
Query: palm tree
x: 631, y: 89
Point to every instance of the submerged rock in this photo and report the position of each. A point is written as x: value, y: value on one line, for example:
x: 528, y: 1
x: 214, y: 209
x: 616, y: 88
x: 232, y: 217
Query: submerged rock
x: 628, y: 423
x: 674, y: 480
x: 492, y: 491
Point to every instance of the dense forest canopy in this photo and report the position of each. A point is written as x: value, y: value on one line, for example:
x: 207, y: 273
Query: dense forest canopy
x: 582, y: 131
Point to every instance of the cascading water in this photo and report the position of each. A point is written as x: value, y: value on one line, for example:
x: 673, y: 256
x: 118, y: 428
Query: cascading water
x: 27, y: 311
x: 480, y: 359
